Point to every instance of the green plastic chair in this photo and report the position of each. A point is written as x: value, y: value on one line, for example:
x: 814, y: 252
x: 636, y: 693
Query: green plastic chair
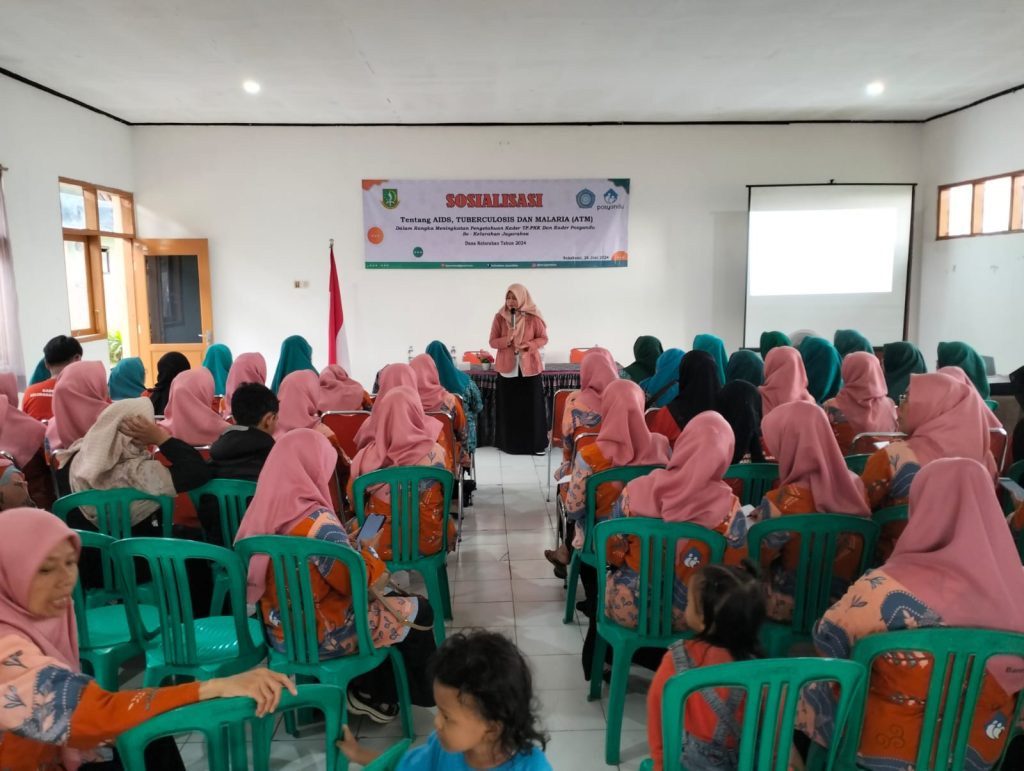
x: 586, y: 555
x: 389, y: 760
x: 405, y: 482
x: 772, y: 689
x: 113, y: 515
x: 856, y: 463
x: 658, y: 540
x: 819, y: 542
x: 233, y: 497
x: 884, y: 517
x: 223, y: 724
x: 992, y: 405
x: 105, y: 638
x: 959, y: 656
x: 758, y: 479
x: 182, y: 645
x: 290, y: 558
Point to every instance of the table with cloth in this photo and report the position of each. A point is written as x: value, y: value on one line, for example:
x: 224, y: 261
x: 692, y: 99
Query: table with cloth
x: 554, y: 377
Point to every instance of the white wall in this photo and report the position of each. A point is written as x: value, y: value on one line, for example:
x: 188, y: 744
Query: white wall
x: 971, y: 287
x: 43, y: 138
x: 270, y: 198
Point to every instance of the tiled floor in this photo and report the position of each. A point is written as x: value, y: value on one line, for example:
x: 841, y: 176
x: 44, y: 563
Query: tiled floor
x: 501, y: 581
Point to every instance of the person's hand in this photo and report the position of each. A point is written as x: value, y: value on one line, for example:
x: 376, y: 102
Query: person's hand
x: 144, y: 431
x: 372, y: 543
x: 525, y: 348
x: 353, y: 750
x: 261, y: 685
x: 320, y: 428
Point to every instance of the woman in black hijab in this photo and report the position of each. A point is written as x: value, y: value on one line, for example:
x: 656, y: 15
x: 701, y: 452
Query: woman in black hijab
x: 169, y: 367
x: 698, y: 392
x: 739, y: 402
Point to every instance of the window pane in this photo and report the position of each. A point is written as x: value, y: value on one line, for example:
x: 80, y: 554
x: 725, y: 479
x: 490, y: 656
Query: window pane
x: 110, y: 211
x: 961, y: 199
x: 72, y: 206
x: 995, y: 215
x: 76, y: 266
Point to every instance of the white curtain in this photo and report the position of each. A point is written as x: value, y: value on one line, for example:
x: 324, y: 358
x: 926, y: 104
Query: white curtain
x: 11, y: 359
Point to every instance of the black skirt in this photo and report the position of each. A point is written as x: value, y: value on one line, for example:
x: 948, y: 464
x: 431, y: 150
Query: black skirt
x: 521, y: 422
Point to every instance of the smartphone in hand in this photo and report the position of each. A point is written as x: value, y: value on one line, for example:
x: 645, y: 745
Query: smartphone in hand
x: 371, y: 526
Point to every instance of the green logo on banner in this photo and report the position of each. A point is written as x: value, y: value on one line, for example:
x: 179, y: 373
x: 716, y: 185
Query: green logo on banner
x: 417, y: 252
x: 390, y: 199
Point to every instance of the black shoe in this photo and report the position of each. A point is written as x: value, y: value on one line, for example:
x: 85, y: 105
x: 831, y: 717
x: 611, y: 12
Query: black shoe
x: 364, y: 704
x: 583, y: 606
x: 560, y: 571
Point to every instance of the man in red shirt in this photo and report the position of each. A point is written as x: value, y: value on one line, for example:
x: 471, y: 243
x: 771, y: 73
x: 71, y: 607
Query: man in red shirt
x: 57, y: 354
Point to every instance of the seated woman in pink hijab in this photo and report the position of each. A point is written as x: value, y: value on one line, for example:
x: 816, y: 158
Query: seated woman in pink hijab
x: 813, y: 478
x: 293, y: 498
x: 403, y: 435
x: 79, y: 397
x: 583, y: 407
x: 55, y: 716
x: 623, y: 440
x: 247, y: 368
x: 785, y: 379
x: 340, y: 393
x: 862, y: 405
x: 433, y: 397
x: 21, y: 437
x: 689, y: 489
x: 955, y: 565
x: 189, y: 415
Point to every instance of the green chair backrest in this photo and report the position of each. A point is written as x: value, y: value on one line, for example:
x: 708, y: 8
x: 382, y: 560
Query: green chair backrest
x: 102, y: 544
x: 223, y: 722
x: 166, y: 558
x: 772, y: 689
x: 883, y: 517
x: 405, y: 483
x: 290, y: 558
x: 622, y: 474
x: 233, y: 497
x: 113, y: 509
x: 959, y: 656
x: 819, y: 542
x: 758, y: 479
x: 389, y: 760
x: 658, y: 540
x: 1016, y: 472
x: 856, y: 463
x: 992, y: 404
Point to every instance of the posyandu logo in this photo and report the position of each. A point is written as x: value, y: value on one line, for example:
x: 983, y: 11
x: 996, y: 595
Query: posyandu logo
x: 611, y: 196
x: 585, y: 198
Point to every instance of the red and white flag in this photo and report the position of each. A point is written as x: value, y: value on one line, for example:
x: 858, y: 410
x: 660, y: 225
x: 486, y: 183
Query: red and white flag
x: 337, y: 343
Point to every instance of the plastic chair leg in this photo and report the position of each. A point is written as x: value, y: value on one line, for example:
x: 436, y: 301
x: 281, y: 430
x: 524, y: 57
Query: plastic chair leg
x: 402, y: 685
x: 597, y: 667
x: 432, y: 580
x: 573, y: 580
x: 446, y: 592
x: 621, y: 659
x: 549, y: 473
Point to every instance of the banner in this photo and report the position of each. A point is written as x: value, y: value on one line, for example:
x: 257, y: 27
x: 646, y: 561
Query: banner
x: 541, y: 223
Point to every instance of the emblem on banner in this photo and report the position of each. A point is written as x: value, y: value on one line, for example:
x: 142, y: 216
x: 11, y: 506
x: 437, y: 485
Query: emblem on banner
x: 390, y: 198
x: 610, y: 196
x: 585, y: 198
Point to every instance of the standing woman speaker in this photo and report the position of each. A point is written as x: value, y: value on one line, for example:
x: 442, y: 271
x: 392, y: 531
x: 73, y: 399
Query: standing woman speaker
x: 518, y: 333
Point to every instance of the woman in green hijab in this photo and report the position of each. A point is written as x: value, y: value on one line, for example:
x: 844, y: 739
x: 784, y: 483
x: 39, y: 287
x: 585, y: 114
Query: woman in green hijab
x: 745, y: 365
x: 771, y: 340
x: 850, y: 340
x: 823, y: 364
x: 127, y: 379
x: 218, y: 361
x: 646, y: 351
x: 296, y: 355
x: 459, y: 383
x: 957, y: 354
x: 900, y: 360
x: 713, y: 346
x: 40, y: 373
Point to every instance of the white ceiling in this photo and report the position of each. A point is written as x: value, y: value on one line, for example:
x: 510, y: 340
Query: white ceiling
x: 481, y: 61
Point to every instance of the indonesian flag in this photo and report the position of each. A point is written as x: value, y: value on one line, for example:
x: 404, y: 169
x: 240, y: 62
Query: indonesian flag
x: 337, y: 343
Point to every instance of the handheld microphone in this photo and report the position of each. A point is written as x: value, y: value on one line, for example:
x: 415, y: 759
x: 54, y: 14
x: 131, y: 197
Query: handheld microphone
x: 513, y: 312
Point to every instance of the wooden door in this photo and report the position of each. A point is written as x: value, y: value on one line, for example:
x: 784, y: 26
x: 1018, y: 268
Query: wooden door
x: 172, y: 300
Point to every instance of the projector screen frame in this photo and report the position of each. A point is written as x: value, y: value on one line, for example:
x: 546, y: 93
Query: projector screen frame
x: 833, y: 183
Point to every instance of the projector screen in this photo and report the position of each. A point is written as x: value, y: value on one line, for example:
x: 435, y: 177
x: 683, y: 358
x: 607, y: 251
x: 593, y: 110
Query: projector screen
x: 828, y: 257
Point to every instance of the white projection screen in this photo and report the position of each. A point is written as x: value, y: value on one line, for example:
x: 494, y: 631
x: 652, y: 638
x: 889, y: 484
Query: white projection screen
x: 828, y: 257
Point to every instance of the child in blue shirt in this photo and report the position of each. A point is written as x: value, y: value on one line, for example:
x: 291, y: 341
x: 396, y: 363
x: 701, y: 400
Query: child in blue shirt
x: 485, y: 711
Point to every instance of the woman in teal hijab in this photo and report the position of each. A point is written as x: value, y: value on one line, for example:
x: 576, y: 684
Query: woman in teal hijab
x: 663, y: 386
x: 296, y: 355
x: 745, y: 365
x: 901, y: 360
x: 127, y: 379
x: 957, y: 354
x: 218, y: 361
x: 824, y: 365
x: 713, y: 346
x: 850, y: 340
x: 646, y: 351
x: 459, y: 383
x: 40, y: 373
x: 771, y: 340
